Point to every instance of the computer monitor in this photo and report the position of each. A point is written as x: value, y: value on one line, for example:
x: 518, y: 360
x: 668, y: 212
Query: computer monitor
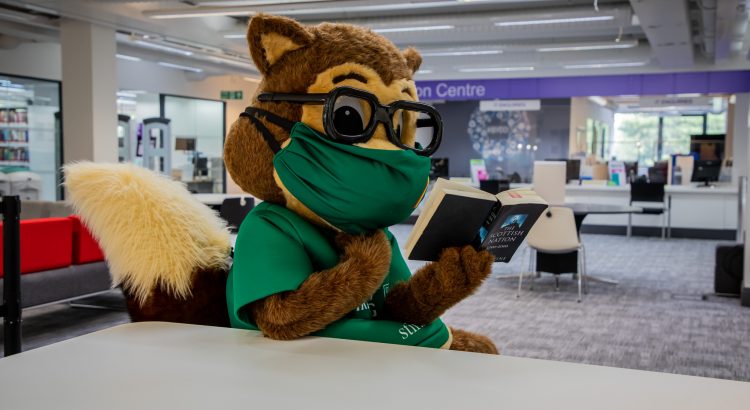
x: 631, y: 170
x: 439, y: 168
x: 658, y: 173
x: 706, y: 171
x: 707, y: 147
x: 184, y: 144
x: 572, y: 168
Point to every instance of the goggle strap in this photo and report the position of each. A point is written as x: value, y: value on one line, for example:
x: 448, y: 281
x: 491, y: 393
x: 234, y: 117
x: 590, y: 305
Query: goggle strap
x: 264, y: 131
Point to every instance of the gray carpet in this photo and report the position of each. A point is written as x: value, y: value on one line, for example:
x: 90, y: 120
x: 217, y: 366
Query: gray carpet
x: 653, y: 320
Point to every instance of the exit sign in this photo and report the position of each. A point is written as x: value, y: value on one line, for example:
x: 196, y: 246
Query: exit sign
x: 231, y: 95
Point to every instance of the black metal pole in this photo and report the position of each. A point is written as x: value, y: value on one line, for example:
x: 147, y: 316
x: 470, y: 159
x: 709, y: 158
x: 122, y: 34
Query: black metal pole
x: 11, y: 207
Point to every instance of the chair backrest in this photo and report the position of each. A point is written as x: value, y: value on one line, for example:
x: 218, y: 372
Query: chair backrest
x: 554, y: 231
x: 646, y: 192
x: 549, y: 181
x: 234, y: 211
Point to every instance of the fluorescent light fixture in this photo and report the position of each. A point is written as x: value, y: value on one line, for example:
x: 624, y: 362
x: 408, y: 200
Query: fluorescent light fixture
x: 606, y: 65
x: 180, y: 15
x: 126, y: 94
x: 127, y: 57
x: 494, y: 69
x: 553, y: 21
x: 234, y: 36
x: 251, y: 79
x: 161, y: 47
x: 460, y: 53
x: 126, y: 102
x: 587, y: 47
x: 407, y: 29
x: 598, y: 100
x: 180, y: 67
x: 424, y: 72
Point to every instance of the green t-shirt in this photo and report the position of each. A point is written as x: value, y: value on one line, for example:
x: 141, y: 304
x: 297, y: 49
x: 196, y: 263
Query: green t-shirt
x: 276, y: 250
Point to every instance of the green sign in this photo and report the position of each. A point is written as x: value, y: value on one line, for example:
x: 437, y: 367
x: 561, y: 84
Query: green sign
x: 231, y: 95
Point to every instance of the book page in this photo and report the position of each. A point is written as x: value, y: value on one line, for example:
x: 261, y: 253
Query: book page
x: 520, y: 196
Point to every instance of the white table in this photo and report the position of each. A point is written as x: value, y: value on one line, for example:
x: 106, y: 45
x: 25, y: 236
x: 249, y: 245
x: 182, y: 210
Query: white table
x: 171, y: 366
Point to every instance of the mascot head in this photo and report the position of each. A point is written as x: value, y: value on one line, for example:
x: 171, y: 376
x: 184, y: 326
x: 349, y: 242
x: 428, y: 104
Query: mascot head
x: 335, y: 132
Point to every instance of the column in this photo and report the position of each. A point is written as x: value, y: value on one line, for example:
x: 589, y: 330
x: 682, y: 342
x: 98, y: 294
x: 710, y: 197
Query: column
x: 741, y: 167
x: 89, y: 91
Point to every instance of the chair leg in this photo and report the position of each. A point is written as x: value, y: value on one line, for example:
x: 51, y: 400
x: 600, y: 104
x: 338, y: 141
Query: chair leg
x: 663, y: 225
x: 520, y: 275
x: 582, y: 252
x: 580, y: 274
x: 630, y: 224
x: 557, y: 283
x: 532, y: 263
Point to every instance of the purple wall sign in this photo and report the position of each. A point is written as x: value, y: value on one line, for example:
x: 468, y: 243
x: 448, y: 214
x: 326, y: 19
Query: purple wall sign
x: 562, y: 87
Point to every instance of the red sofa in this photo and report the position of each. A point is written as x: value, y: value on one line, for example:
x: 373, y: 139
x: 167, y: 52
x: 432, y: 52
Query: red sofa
x: 59, y: 260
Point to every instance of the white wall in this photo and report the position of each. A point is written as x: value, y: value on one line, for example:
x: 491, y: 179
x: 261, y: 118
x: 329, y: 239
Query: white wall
x: 581, y: 110
x: 42, y: 60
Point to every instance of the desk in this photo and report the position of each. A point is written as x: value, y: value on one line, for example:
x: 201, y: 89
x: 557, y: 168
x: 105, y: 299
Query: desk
x: 172, y: 366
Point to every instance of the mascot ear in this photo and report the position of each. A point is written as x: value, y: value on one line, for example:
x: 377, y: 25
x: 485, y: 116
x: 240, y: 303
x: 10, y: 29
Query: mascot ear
x: 413, y: 59
x: 270, y: 37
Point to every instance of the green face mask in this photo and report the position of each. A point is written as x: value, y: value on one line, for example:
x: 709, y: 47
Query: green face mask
x: 354, y: 189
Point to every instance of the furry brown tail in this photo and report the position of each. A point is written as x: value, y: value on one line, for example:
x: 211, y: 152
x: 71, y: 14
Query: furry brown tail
x: 169, y: 252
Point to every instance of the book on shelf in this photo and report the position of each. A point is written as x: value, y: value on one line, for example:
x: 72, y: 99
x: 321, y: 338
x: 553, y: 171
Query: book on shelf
x: 456, y: 214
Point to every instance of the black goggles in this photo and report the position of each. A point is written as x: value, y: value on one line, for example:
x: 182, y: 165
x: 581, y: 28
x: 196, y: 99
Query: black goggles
x: 351, y: 115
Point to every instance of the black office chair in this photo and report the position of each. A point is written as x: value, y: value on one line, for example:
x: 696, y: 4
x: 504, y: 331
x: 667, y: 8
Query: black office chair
x: 649, y: 196
x: 234, y: 211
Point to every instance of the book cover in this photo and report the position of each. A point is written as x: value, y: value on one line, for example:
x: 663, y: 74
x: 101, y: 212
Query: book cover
x: 504, y: 234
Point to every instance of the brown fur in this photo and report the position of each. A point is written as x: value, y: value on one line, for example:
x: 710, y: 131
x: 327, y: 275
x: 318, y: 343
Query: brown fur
x: 297, y: 59
x: 439, y: 285
x: 207, y: 305
x: 472, y: 342
x: 248, y: 159
x: 328, y: 295
x: 305, y: 60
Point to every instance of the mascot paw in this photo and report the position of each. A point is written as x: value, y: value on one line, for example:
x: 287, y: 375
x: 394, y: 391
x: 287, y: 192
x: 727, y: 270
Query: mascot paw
x: 370, y: 253
x: 472, y: 342
x: 463, y: 269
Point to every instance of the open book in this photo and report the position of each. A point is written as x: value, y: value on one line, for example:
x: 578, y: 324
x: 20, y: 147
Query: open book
x: 456, y: 214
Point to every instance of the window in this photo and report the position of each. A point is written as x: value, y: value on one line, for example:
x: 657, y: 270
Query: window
x: 651, y: 137
x: 635, y: 137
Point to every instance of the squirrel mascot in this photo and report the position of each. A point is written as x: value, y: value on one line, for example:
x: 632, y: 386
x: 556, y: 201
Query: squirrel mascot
x: 337, y: 148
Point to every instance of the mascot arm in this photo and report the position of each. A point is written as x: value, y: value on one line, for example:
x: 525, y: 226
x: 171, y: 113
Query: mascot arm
x: 326, y: 296
x: 437, y: 286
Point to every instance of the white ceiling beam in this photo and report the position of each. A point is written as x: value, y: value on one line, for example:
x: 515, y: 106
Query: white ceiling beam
x: 667, y: 27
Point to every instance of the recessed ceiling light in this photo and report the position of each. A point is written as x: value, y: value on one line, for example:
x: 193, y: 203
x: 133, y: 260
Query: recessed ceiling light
x: 606, y: 65
x: 553, y: 21
x: 127, y: 57
x: 460, y: 53
x: 251, y: 79
x: 406, y: 29
x: 161, y: 47
x: 587, y: 47
x: 424, y: 72
x: 494, y: 69
x: 235, y: 35
x: 126, y: 94
x: 180, y: 67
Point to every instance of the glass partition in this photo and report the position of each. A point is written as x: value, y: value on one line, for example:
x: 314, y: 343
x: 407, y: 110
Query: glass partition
x: 30, y: 138
x: 197, y: 133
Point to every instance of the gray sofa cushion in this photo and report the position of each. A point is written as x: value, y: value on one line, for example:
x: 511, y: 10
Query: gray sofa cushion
x: 43, y: 287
